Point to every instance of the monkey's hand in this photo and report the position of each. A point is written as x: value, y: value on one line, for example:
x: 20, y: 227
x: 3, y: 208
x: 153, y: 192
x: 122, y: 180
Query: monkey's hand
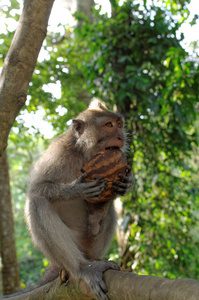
x: 92, y: 274
x: 125, y: 185
x: 87, y: 190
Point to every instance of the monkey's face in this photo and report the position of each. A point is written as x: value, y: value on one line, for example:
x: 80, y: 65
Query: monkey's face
x: 111, y: 134
x: 99, y: 131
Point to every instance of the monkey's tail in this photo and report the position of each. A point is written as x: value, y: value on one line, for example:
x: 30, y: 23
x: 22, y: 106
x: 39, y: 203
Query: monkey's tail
x: 51, y: 273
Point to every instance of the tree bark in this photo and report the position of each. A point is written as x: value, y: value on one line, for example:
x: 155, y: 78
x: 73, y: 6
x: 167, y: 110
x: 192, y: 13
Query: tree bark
x: 20, y: 62
x: 10, y: 270
x: 86, y: 7
x: 121, y: 286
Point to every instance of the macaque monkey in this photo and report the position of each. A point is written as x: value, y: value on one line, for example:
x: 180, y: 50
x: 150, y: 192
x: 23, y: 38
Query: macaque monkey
x: 62, y: 224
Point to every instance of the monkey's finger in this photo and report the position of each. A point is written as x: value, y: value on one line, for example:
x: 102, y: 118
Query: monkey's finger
x: 81, y: 178
x: 111, y: 265
x: 102, y: 294
x: 100, y: 282
x: 95, y: 182
x: 98, y: 179
x: 128, y: 179
x: 104, y: 265
x: 98, y: 287
x: 128, y: 169
x: 95, y: 192
x: 121, y: 187
x: 100, y: 291
x: 125, y: 178
x: 119, y: 184
x: 93, y: 196
x: 102, y: 185
x: 92, y: 188
x: 119, y: 190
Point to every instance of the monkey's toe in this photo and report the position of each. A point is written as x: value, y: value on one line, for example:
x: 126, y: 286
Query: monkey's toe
x: 63, y: 274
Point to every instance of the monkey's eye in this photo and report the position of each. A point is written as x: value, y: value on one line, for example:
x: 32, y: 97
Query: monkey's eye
x: 119, y: 124
x: 109, y: 124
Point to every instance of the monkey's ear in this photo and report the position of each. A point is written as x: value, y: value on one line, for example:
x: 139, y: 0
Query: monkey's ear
x: 78, y: 126
x: 97, y: 104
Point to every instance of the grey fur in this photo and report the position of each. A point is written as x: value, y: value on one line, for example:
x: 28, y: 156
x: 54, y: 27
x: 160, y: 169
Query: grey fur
x: 67, y: 229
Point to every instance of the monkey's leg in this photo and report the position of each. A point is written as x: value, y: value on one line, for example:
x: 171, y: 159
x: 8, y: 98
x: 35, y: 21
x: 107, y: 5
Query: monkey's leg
x: 58, y: 244
x: 52, y: 236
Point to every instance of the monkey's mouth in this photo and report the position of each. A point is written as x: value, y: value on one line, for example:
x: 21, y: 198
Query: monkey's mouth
x: 112, y: 148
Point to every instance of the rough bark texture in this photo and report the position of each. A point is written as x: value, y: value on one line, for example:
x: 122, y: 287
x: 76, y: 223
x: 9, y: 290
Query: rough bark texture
x: 20, y: 62
x: 121, y: 286
x: 10, y: 271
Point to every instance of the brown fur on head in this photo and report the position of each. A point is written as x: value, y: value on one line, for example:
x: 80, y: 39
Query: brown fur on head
x: 97, y: 104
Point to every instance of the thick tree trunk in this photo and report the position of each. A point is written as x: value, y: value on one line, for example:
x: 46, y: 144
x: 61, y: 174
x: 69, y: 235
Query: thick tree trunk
x: 86, y: 7
x: 121, y: 286
x: 20, y: 62
x: 16, y: 75
x: 1, y: 284
x: 10, y: 271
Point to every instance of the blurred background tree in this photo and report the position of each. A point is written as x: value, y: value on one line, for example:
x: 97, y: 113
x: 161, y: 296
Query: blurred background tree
x: 134, y: 59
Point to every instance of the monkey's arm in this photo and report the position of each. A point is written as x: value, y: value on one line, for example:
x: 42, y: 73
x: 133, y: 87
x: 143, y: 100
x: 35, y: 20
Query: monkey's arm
x: 77, y: 189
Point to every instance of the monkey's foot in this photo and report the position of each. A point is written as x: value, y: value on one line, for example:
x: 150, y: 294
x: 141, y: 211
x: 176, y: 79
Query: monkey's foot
x: 92, y: 274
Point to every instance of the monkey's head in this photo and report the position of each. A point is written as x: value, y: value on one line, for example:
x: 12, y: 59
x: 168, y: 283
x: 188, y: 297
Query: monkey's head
x: 97, y: 129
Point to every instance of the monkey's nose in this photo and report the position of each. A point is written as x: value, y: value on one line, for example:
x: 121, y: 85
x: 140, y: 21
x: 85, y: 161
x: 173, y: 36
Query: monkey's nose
x: 120, y: 137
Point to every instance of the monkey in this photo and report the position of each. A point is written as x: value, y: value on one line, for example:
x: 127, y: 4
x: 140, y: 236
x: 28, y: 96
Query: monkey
x: 71, y: 232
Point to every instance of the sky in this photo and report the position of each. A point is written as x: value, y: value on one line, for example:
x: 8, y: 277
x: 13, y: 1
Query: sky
x: 191, y: 33
x: 60, y: 9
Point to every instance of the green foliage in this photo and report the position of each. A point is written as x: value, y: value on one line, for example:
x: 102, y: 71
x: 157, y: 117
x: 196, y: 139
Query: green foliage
x: 164, y: 214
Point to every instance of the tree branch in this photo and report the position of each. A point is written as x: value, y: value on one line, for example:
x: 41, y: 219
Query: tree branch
x: 121, y: 285
x: 20, y: 62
